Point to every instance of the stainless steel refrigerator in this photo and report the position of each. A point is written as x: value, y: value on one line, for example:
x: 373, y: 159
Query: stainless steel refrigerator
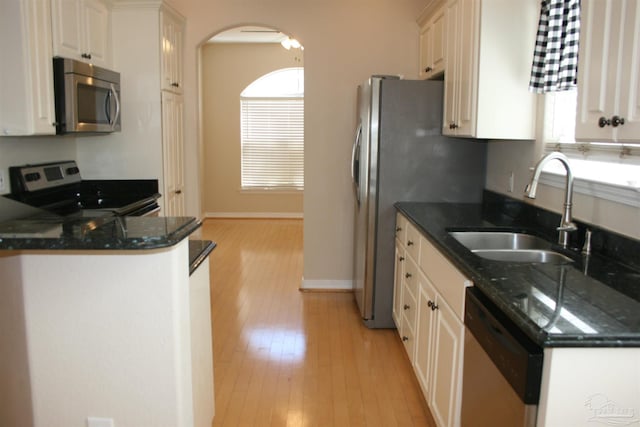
x: 399, y: 154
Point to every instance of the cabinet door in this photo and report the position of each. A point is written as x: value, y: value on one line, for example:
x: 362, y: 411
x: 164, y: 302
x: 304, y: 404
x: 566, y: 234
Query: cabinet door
x: 81, y: 31
x: 397, y: 286
x: 26, y: 104
x: 97, y: 32
x: 447, y: 365
x: 172, y: 153
x: 461, y: 81
x: 629, y: 107
x: 608, y: 81
x: 426, y: 51
x: 424, y: 335
x: 67, y: 28
x: 600, y: 38
x: 172, y: 39
x: 438, y: 42
x: 451, y: 77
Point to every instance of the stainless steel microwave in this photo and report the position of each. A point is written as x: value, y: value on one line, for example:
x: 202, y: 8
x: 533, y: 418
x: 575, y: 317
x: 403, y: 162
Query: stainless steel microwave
x: 87, y: 98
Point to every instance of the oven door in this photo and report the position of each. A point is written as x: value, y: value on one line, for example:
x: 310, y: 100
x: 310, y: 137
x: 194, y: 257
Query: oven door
x: 91, y: 105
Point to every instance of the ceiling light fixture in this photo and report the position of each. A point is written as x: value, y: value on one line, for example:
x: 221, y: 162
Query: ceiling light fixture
x: 289, y: 43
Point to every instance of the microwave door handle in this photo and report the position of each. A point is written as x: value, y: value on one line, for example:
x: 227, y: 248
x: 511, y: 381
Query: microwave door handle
x: 107, y: 106
x: 114, y: 93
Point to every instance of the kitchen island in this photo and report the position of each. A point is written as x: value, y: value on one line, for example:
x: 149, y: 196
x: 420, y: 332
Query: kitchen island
x: 101, y: 322
x: 585, y: 314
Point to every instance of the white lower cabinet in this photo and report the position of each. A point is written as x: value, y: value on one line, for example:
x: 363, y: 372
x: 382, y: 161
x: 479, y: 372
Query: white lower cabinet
x: 423, y: 357
x: 446, y: 377
x: 397, y: 285
x: 431, y: 325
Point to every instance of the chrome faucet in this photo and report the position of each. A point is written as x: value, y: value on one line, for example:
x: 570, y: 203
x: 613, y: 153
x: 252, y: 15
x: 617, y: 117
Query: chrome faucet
x: 566, y: 223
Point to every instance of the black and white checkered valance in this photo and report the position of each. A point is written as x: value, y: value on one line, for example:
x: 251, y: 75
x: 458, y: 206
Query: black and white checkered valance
x: 555, y: 58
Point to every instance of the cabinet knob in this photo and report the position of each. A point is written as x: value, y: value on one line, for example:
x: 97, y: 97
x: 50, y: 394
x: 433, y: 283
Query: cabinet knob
x: 429, y: 303
x: 401, y: 259
x: 398, y: 229
x: 405, y: 338
x: 174, y: 84
x: 407, y: 275
x: 86, y: 55
x: 452, y: 125
x: 428, y: 70
x: 617, y: 121
x: 409, y: 242
x: 407, y: 307
x: 434, y: 307
x: 178, y: 191
x: 603, y: 121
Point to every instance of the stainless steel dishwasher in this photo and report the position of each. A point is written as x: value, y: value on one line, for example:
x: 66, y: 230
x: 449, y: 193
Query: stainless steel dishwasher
x: 502, y: 368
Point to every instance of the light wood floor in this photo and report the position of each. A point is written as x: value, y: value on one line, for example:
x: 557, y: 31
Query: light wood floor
x: 288, y: 358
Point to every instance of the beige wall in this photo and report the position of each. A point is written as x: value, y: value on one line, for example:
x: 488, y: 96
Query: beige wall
x: 345, y: 41
x: 227, y: 69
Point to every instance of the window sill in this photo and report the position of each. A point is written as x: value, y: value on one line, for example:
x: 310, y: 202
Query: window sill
x: 270, y: 190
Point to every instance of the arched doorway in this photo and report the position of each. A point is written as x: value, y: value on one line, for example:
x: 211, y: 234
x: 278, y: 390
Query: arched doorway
x: 229, y: 62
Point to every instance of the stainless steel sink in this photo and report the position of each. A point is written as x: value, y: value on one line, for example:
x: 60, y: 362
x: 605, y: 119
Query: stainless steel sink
x: 509, y: 247
x: 523, y: 255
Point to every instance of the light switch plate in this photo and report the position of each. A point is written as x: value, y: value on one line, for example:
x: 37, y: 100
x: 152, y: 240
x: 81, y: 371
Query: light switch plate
x: 100, y: 422
x: 3, y: 185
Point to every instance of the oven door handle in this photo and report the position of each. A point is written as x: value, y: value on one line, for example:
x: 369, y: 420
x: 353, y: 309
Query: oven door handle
x: 114, y: 95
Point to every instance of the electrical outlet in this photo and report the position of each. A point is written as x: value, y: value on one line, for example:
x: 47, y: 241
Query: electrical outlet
x: 3, y: 186
x: 511, y: 182
x: 100, y: 422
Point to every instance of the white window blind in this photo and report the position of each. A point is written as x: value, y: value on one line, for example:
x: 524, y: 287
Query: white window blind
x: 272, y: 131
x: 272, y: 143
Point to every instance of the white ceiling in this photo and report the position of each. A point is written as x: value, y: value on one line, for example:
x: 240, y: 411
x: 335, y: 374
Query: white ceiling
x: 249, y: 34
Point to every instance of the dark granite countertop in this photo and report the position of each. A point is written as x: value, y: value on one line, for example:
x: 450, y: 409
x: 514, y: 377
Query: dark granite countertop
x: 23, y: 228
x: 199, y: 250
x: 597, y: 296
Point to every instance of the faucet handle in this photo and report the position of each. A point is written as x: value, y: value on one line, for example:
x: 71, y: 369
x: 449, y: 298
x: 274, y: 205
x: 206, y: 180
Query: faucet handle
x: 569, y: 226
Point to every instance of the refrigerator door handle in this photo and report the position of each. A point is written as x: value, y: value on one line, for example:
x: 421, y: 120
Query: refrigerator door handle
x: 355, y: 162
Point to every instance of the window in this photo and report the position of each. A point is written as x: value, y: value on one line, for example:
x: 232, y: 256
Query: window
x: 272, y: 131
x: 606, y: 170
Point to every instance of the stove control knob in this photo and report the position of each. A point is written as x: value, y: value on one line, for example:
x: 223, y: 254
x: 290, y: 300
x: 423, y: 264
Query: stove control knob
x: 73, y: 170
x: 33, y: 176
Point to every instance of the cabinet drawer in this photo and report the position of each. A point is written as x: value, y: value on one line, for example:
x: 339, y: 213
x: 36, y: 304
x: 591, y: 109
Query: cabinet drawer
x: 410, y: 276
x: 408, y: 338
x: 448, y: 281
x: 409, y: 307
x: 412, y: 241
x: 401, y: 228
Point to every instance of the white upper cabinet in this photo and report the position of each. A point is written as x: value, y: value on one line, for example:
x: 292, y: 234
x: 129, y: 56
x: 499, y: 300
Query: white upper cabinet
x: 432, y: 40
x: 26, y: 69
x: 82, y: 30
x: 609, y: 72
x: 489, y: 50
x: 172, y: 48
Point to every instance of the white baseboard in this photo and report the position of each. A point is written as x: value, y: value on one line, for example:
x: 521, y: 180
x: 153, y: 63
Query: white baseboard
x: 342, y: 285
x: 285, y: 215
